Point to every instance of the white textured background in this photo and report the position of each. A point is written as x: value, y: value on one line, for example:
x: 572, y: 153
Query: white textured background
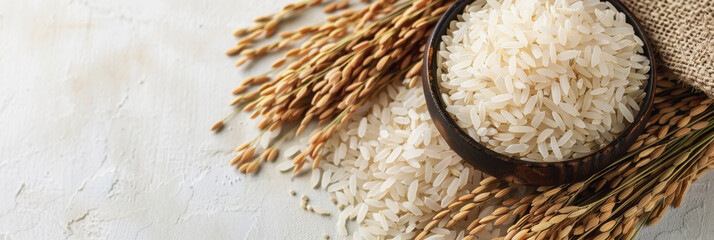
x: 104, y: 113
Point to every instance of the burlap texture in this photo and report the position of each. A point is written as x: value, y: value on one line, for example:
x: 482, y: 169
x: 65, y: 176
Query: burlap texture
x: 682, y: 35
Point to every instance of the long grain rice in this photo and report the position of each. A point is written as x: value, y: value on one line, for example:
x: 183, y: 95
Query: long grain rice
x: 393, y: 176
x: 524, y: 82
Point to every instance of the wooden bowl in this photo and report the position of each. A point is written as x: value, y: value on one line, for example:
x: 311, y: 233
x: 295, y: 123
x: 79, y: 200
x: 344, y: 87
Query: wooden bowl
x: 516, y: 170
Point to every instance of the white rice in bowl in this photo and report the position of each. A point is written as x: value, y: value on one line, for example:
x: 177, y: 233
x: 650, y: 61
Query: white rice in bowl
x: 542, y: 80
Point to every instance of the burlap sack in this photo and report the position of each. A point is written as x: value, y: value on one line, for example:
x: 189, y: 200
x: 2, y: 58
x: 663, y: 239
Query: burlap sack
x: 682, y: 32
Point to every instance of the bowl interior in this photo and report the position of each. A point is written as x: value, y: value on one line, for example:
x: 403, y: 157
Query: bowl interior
x: 487, y: 160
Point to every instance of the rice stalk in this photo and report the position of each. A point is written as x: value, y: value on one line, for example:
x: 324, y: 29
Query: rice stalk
x: 344, y: 63
x: 634, y: 191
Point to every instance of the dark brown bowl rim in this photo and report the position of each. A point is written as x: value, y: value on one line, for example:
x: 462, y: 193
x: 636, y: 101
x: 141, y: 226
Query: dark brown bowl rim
x: 437, y: 108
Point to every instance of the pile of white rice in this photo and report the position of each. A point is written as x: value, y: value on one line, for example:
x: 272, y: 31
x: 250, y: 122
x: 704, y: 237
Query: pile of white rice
x: 542, y: 80
x: 392, y: 171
